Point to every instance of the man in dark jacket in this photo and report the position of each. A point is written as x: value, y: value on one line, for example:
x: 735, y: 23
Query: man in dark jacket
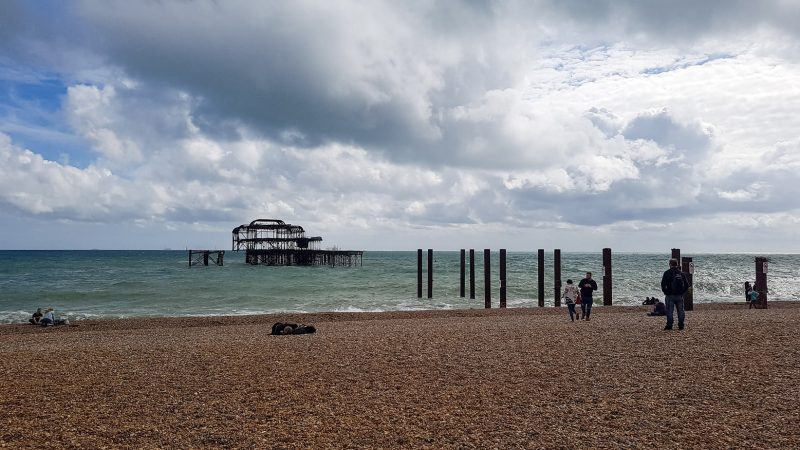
x: 587, y: 285
x: 674, y: 284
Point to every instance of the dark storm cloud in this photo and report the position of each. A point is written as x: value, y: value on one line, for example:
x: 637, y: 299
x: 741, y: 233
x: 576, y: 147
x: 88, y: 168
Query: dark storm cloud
x: 43, y: 35
x: 387, y: 77
x: 680, y: 20
x: 316, y: 72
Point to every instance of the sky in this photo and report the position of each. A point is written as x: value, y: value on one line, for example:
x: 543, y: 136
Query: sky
x: 639, y: 125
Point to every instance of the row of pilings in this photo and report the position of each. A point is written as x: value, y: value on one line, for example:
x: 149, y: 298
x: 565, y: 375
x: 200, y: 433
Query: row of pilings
x: 685, y: 263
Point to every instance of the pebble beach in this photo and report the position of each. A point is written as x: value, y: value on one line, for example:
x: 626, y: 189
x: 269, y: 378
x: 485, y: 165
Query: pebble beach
x: 513, y: 378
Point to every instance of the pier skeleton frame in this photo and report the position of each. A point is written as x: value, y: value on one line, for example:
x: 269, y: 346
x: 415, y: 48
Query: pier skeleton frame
x: 275, y: 243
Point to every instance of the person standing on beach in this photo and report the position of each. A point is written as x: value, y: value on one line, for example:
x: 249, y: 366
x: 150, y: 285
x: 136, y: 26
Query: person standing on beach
x: 587, y: 285
x: 674, y: 284
x: 570, y: 295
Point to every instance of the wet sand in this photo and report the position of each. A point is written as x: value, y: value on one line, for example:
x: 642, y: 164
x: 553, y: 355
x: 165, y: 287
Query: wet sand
x: 517, y: 378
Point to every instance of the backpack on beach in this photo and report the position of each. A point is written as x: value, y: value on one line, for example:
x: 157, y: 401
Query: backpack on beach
x: 678, y: 285
x: 280, y: 328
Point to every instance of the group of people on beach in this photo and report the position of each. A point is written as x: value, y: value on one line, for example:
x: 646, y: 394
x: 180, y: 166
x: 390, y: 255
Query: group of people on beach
x: 580, y: 295
x: 46, y: 319
x: 674, y: 284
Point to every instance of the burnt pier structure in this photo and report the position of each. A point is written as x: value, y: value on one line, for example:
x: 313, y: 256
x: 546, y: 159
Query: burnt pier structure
x: 276, y: 243
x: 202, y: 257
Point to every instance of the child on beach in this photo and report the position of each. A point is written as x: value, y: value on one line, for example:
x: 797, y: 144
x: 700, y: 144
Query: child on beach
x: 570, y: 295
x: 753, y: 294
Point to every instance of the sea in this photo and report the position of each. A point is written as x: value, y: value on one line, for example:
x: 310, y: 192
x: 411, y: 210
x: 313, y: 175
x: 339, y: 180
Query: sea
x: 100, y: 284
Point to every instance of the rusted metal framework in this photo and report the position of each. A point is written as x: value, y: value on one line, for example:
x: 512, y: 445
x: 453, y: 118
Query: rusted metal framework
x: 276, y: 243
x: 202, y: 257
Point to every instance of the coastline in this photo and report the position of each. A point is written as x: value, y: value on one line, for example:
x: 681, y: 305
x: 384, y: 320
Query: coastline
x: 124, y: 284
x: 471, y: 378
x: 113, y: 323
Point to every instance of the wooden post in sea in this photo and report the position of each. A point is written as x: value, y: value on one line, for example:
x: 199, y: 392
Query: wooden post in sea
x: 676, y: 254
x: 487, y: 280
x: 687, y: 267
x: 461, y: 284
x: 205, y: 257
x: 419, y: 273
x: 472, y: 274
x: 607, y: 280
x: 557, y: 276
x: 761, y: 281
x: 430, y: 273
x: 502, y: 278
x: 541, y: 277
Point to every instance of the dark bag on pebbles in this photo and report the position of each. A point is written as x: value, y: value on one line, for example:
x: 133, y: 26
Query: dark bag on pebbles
x: 292, y: 328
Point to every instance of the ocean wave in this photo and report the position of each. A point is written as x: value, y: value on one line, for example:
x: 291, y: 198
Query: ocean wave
x: 355, y: 309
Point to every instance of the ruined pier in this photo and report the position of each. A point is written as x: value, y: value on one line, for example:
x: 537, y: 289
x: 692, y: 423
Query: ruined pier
x: 274, y: 242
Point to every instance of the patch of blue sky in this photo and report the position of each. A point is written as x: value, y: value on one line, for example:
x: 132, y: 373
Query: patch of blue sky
x: 684, y: 63
x: 30, y: 112
x: 53, y: 145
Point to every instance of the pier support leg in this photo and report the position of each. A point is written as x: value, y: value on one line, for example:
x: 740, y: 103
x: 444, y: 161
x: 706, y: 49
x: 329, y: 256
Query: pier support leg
x: 472, y: 274
x: 487, y: 280
x: 761, y: 281
x: 607, y: 278
x: 687, y: 267
x: 557, y: 276
x: 676, y: 254
x: 541, y: 277
x: 430, y: 273
x: 205, y: 258
x: 502, y: 278
x: 461, y: 279
x: 419, y: 273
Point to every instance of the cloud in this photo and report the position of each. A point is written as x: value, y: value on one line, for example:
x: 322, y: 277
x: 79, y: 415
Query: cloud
x: 90, y: 116
x: 662, y: 129
x: 681, y: 20
x: 448, y: 116
x: 282, y: 67
x: 35, y: 186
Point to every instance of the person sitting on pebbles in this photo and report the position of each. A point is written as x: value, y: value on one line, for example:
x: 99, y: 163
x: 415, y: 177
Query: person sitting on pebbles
x: 49, y: 319
x: 36, y: 317
x: 660, y: 309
